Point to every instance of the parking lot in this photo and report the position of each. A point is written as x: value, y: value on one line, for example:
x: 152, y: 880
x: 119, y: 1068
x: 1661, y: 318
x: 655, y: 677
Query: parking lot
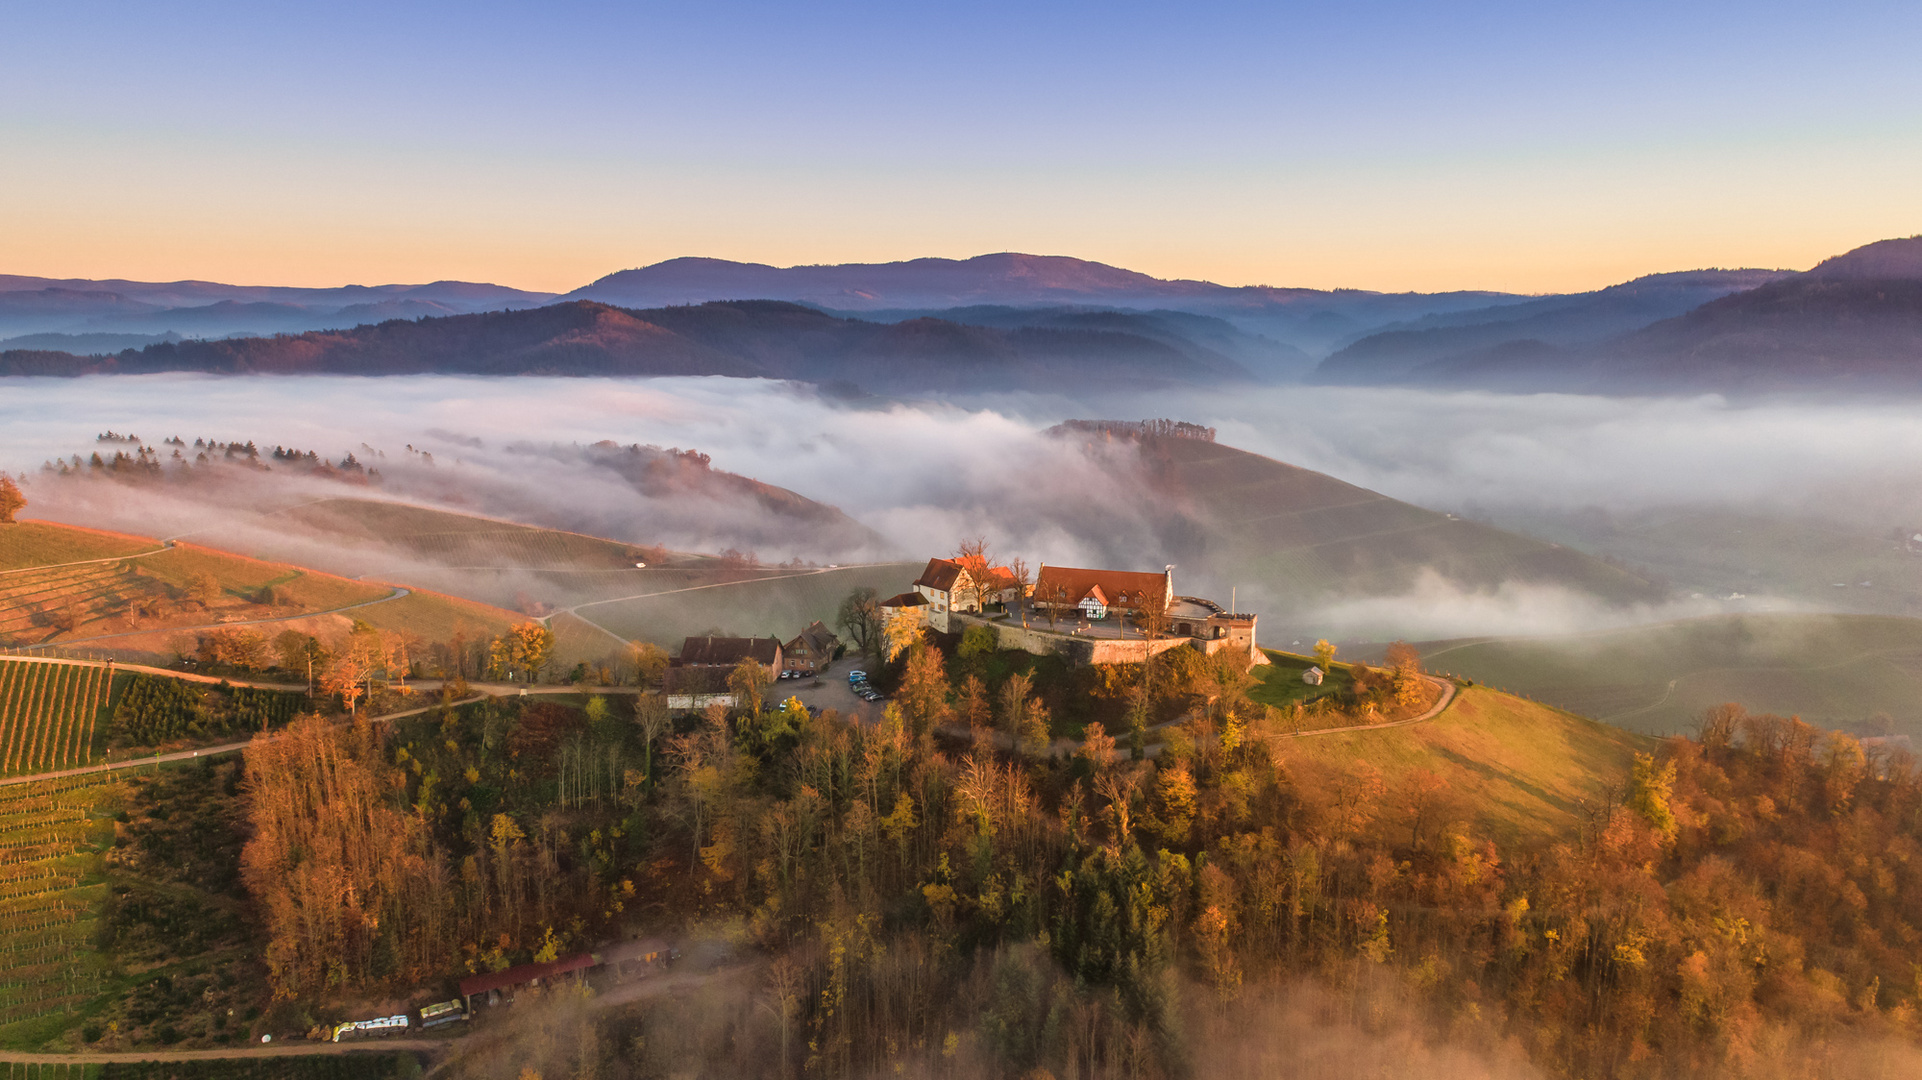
x: 830, y: 690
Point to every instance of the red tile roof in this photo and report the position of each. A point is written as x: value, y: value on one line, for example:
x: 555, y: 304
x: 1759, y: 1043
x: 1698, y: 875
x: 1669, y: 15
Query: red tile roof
x: 1069, y: 585
x: 525, y: 973
x: 940, y: 575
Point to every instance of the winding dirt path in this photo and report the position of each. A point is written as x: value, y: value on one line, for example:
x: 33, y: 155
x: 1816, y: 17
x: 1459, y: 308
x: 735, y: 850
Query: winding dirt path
x: 295, y: 1048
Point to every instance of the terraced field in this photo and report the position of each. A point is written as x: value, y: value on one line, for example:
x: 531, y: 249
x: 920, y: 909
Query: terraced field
x: 150, y: 588
x: 50, y: 832
x: 458, y: 540
x: 40, y: 605
x: 51, y: 714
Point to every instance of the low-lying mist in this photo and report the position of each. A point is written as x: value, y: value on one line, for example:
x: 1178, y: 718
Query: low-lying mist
x: 922, y: 474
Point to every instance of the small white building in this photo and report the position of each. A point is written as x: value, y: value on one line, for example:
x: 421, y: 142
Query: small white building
x: 1312, y: 676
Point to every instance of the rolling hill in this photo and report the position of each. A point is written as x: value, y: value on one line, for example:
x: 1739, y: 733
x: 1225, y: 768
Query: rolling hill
x: 749, y: 338
x: 1853, y: 324
x: 1519, y: 770
x: 1293, y: 539
x: 31, y: 305
x: 1835, y: 671
x: 1390, y: 355
x: 139, y: 599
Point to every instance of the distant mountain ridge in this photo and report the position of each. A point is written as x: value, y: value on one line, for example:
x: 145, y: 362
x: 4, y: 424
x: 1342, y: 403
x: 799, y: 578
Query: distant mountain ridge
x: 33, y: 305
x: 1303, y: 318
x: 1852, y: 324
x: 767, y: 339
x: 1397, y: 352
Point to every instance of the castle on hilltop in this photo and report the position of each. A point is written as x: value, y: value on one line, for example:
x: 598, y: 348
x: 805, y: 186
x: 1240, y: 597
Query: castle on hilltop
x: 1090, y: 616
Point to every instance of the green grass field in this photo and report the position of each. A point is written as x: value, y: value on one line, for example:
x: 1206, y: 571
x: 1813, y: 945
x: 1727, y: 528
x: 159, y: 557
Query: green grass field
x: 42, y: 543
x: 778, y: 602
x: 1518, y: 769
x: 1837, y: 671
x: 1280, y: 680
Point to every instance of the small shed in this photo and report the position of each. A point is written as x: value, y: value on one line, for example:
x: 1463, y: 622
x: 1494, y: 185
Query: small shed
x: 1312, y: 676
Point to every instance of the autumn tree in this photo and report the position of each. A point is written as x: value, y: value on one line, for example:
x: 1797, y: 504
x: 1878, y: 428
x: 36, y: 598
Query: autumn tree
x: 11, y: 500
x: 749, y: 680
x: 205, y: 588
x: 861, y: 617
x: 332, y: 864
x: 1325, y: 654
x: 526, y: 649
x: 903, y: 629
x: 924, y: 690
x: 648, y: 660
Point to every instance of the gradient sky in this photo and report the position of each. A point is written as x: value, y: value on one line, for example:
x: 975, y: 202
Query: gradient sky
x: 1390, y: 145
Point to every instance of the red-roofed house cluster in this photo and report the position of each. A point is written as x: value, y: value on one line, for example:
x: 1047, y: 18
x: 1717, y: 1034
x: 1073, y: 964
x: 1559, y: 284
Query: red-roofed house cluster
x: 1072, y: 602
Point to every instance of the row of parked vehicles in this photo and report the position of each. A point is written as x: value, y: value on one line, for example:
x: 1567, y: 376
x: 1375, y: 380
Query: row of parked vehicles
x: 431, y: 1016
x: 858, y: 682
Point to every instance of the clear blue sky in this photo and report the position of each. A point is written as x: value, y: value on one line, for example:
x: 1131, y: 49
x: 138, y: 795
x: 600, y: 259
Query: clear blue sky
x: 1385, y: 145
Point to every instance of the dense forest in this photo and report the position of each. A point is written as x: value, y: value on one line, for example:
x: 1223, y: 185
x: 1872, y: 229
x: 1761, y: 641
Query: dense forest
x: 889, y: 898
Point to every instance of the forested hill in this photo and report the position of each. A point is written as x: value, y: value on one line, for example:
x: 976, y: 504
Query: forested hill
x: 1851, y: 324
x: 739, y: 338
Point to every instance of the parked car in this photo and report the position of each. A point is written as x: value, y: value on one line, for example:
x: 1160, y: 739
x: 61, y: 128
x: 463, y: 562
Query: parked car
x: 857, y: 676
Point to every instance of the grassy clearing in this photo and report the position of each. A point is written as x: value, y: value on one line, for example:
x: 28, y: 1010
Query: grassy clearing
x: 777, y: 603
x: 1280, y: 680
x: 42, y: 543
x: 1521, y: 770
x: 1836, y: 671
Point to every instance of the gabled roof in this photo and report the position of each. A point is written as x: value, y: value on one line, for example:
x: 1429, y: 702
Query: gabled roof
x: 816, y: 639
x: 1070, y: 585
x: 906, y: 599
x: 940, y: 575
x: 728, y: 651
